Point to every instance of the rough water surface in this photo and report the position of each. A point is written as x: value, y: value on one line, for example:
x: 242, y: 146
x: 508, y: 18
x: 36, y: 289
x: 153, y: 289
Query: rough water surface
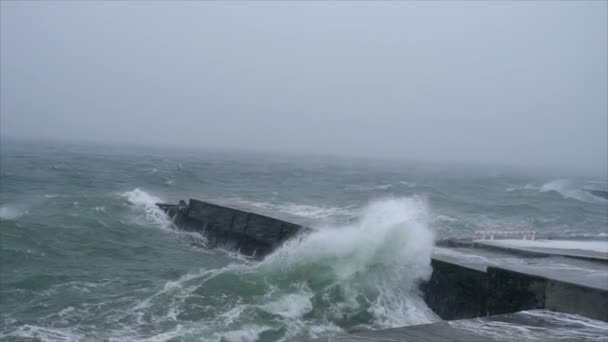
x: 86, y: 255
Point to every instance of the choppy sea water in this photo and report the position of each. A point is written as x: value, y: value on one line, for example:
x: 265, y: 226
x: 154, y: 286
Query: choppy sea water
x: 86, y: 255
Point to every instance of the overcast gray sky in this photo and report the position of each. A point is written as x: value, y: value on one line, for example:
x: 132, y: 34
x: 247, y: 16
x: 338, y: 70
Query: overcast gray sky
x: 498, y: 81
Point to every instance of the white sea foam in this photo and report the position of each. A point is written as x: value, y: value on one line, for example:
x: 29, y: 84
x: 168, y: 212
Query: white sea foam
x: 359, y: 187
x: 11, y: 212
x: 43, y: 334
x: 303, y: 210
x: 372, y: 265
x: 387, y: 251
x: 565, y: 188
x: 147, y: 204
x: 444, y: 218
x: 293, y: 305
x: 312, y: 211
x: 249, y: 333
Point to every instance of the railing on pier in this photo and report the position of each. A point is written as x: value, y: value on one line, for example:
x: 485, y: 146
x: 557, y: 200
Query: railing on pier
x: 492, y: 234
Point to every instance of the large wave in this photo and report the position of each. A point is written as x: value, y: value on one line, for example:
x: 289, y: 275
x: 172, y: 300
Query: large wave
x: 569, y: 190
x: 565, y: 188
x: 361, y: 275
x: 147, y: 204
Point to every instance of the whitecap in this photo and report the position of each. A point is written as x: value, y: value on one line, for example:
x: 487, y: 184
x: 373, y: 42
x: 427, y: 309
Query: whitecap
x: 293, y: 305
x: 44, y: 333
x: 302, y: 210
x: 11, y: 212
x: 146, y: 203
x: 249, y: 333
x: 569, y: 190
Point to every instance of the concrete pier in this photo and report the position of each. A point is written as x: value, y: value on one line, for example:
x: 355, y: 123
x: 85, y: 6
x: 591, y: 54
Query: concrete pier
x: 249, y: 233
x: 471, y: 280
x: 580, y: 249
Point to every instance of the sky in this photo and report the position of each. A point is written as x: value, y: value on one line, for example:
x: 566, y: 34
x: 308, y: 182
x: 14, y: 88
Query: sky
x: 510, y: 82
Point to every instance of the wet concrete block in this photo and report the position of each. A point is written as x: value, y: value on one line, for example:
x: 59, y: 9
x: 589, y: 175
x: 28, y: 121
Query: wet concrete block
x: 455, y: 291
x: 576, y: 299
x: 289, y: 229
x: 247, y: 232
x: 264, y: 229
x: 240, y: 220
x: 513, y: 291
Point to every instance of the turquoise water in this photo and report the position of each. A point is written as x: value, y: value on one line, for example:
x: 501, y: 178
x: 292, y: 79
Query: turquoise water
x: 87, y: 256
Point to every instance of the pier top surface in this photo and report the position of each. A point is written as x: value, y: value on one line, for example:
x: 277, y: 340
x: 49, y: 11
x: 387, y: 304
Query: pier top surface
x: 585, y: 272
x: 585, y: 249
x: 523, y: 326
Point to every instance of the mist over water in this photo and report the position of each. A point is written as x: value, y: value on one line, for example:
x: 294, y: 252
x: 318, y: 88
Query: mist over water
x: 257, y: 89
x: 87, y: 254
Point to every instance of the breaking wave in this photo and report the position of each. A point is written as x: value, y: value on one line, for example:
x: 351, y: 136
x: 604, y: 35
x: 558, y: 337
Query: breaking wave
x: 146, y: 204
x: 318, y: 284
x: 568, y: 189
x: 565, y: 188
x: 359, y: 187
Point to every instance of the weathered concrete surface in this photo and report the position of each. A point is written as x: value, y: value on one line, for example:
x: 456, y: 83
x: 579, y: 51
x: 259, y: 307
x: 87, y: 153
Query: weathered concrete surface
x: 247, y: 232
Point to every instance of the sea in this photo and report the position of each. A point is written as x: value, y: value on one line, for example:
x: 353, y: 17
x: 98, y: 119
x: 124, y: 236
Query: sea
x: 87, y: 256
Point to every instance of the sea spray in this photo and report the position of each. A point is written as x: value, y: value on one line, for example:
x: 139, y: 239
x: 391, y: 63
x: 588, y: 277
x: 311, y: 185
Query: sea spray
x: 377, y: 261
x: 361, y: 275
x: 391, y: 233
x: 147, y: 204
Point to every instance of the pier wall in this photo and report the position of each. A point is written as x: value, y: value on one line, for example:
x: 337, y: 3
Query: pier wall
x: 250, y: 233
x: 457, y: 291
